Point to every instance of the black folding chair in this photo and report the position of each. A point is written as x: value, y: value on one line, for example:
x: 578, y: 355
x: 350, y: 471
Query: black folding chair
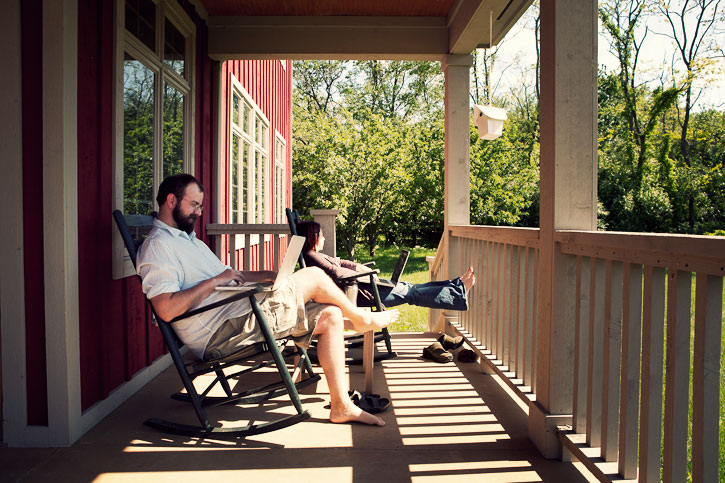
x: 262, y: 354
x: 354, y: 357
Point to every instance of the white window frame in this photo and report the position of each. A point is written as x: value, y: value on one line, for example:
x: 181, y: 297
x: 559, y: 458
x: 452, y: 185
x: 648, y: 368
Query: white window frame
x: 256, y: 178
x: 280, y: 177
x: 126, y: 42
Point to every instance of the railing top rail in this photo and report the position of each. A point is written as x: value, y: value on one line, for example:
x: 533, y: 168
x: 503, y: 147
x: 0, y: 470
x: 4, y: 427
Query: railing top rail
x: 247, y: 229
x: 694, y: 253
x: 501, y: 234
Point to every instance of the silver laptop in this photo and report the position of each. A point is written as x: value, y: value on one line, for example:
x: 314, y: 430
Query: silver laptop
x: 285, y: 270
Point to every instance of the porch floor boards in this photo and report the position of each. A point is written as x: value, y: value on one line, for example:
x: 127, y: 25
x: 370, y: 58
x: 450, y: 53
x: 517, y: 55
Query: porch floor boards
x: 447, y: 422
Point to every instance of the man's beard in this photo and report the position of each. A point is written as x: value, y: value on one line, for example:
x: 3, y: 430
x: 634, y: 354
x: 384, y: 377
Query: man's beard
x: 184, y: 223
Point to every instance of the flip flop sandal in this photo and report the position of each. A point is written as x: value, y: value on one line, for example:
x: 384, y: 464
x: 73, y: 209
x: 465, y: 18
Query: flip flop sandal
x: 466, y: 355
x: 356, y: 397
x: 436, y: 352
x: 373, y: 403
x: 450, y: 343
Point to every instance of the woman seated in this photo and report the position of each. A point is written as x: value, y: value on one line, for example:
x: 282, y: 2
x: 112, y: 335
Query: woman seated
x: 446, y: 294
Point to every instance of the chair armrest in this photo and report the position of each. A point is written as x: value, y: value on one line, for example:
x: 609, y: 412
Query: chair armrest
x: 355, y: 277
x: 237, y: 296
x: 368, y: 264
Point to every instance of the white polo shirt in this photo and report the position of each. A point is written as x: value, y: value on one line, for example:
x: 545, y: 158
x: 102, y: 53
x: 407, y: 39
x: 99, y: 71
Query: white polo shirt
x: 170, y: 260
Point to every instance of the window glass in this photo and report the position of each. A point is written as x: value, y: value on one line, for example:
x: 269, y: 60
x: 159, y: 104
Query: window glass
x: 261, y: 184
x: 235, y: 108
x: 138, y: 137
x: 141, y: 21
x: 235, y: 179
x: 246, y: 125
x: 245, y: 178
x: 173, y: 131
x: 174, y: 48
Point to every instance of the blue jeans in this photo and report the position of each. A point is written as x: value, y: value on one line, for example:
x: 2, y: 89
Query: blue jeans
x: 445, y: 294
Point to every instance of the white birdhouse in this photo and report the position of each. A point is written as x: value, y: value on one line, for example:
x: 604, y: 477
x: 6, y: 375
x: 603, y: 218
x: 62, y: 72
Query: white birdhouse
x: 489, y: 121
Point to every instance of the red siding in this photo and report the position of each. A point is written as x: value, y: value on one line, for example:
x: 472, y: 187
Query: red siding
x: 32, y: 112
x: 116, y: 336
x: 270, y: 87
x: 102, y: 325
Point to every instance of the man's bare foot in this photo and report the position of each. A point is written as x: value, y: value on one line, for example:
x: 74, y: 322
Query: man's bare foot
x: 468, y: 279
x: 375, y: 320
x: 351, y: 413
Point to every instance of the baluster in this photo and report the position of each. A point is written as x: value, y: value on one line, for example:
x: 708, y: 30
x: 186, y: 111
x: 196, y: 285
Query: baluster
x: 534, y: 311
x: 596, y: 333
x: 261, y: 252
x: 611, y: 351
x: 505, y: 313
x: 232, y: 252
x: 247, y: 250
x: 677, y: 375
x: 629, y: 382
x: 520, y: 295
x: 488, y: 296
x: 275, y: 248
x: 650, y: 436
x: 528, y: 329
x: 495, y: 279
x: 581, y: 345
x: 706, y: 378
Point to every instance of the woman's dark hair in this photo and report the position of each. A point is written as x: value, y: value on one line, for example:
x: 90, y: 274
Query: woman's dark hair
x: 311, y: 231
x: 176, y: 184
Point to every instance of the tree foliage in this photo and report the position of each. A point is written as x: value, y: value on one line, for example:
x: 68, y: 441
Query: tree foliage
x: 369, y: 140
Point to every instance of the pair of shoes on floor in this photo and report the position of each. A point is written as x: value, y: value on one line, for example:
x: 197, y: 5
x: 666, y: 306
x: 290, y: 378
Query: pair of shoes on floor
x: 438, y: 351
x: 371, y: 403
x: 450, y: 343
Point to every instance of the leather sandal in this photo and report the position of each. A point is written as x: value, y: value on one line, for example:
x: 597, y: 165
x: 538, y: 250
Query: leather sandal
x: 436, y: 352
x: 450, y: 343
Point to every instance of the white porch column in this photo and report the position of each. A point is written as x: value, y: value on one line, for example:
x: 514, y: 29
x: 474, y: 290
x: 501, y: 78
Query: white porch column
x: 60, y: 218
x: 12, y: 280
x: 568, y: 108
x: 457, y: 184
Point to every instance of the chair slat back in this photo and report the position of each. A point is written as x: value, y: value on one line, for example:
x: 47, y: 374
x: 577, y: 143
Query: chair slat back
x: 133, y: 229
x: 293, y: 217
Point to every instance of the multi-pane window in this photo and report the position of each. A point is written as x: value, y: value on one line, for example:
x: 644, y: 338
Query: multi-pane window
x: 155, y: 77
x: 280, y: 163
x: 157, y: 91
x: 249, y: 140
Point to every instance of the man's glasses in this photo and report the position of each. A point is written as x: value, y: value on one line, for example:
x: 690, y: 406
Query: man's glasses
x: 196, y: 206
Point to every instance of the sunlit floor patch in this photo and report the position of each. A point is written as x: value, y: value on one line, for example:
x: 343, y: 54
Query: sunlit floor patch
x: 343, y: 473
x: 519, y: 471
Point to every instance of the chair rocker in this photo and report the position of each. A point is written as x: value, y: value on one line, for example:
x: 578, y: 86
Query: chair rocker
x: 263, y: 354
x: 354, y: 343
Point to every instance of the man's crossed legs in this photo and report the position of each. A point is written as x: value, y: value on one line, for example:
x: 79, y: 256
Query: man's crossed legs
x: 341, y: 314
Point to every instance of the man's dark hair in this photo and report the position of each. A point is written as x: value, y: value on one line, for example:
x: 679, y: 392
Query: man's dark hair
x: 176, y: 184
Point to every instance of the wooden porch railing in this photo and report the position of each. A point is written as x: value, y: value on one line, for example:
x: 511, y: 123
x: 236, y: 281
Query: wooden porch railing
x: 634, y: 322
x: 499, y: 323
x: 242, y: 254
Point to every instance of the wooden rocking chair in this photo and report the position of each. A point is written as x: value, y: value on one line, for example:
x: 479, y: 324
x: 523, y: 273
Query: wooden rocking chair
x: 269, y: 351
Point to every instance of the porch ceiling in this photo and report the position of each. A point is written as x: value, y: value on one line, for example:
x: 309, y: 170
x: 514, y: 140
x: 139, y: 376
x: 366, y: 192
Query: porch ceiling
x: 356, y: 29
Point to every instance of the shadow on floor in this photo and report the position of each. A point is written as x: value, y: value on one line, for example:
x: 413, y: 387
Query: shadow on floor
x: 447, y: 422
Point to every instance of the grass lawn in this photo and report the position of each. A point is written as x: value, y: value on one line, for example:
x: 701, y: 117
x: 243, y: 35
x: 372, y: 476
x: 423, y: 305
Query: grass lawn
x: 413, y: 319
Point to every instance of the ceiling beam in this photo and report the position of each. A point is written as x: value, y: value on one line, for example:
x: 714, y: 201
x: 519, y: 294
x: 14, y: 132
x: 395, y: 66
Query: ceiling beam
x: 468, y: 22
x: 328, y: 37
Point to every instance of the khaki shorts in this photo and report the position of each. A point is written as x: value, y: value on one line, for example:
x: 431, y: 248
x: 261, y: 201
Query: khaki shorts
x: 286, y: 313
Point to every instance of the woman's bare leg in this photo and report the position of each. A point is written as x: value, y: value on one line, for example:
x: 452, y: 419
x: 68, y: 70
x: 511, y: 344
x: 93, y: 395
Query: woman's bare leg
x: 315, y: 285
x: 331, y: 354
